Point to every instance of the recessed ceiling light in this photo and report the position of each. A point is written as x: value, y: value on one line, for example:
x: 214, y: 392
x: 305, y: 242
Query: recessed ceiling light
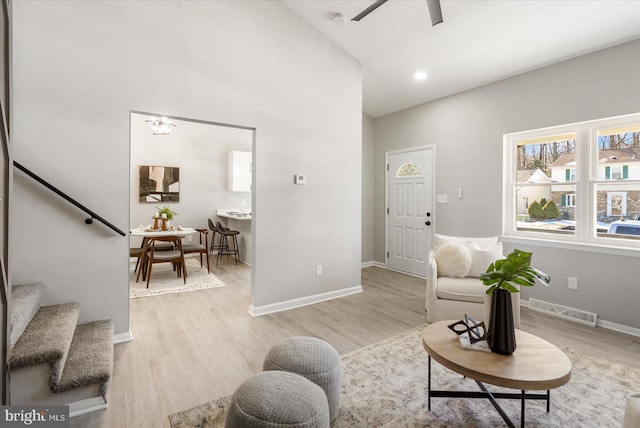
x: 338, y: 19
x: 420, y: 75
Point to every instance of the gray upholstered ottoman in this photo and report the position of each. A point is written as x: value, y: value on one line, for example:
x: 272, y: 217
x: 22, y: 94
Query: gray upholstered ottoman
x: 278, y: 399
x: 312, y: 358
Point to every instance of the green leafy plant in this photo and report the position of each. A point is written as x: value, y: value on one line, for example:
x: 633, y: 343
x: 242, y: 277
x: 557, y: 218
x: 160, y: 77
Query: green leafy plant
x: 168, y: 211
x: 535, y: 211
x: 515, y: 270
x: 550, y: 210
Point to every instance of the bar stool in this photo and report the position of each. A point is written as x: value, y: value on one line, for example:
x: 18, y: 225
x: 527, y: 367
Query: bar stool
x: 213, y: 247
x: 225, y: 249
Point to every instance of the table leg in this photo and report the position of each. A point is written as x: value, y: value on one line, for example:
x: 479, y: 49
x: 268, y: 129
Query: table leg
x: 548, y: 400
x: 493, y: 401
x: 491, y: 396
x: 143, y: 260
x: 429, y: 387
x: 522, y: 409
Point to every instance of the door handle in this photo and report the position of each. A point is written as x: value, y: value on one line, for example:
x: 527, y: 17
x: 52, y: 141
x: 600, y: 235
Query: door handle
x: 428, y: 223
x: 428, y: 214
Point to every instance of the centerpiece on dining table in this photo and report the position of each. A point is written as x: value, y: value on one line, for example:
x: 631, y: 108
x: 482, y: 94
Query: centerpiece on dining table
x: 165, y: 215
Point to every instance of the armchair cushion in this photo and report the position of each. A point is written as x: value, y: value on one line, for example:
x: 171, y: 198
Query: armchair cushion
x: 481, y: 258
x: 454, y: 260
x: 483, y: 243
x: 483, y: 251
x: 464, y: 289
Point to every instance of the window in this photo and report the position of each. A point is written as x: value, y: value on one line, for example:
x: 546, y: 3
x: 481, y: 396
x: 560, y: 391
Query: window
x: 569, y: 200
x: 575, y: 182
x: 409, y: 169
x: 616, y: 172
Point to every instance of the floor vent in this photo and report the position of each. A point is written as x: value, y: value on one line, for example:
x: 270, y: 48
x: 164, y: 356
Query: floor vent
x: 571, y: 314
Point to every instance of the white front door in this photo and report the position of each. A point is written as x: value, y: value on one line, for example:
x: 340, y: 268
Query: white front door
x: 410, y: 209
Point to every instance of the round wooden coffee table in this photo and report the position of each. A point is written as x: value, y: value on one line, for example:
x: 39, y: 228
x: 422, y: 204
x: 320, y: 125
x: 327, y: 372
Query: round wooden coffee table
x: 535, y: 365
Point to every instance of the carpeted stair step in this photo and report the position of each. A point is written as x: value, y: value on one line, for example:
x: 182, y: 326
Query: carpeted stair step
x: 25, y: 302
x: 47, y: 339
x: 90, y: 359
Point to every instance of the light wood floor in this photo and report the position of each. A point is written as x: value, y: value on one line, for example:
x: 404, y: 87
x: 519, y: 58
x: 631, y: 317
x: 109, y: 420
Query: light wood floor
x: 194, y: 347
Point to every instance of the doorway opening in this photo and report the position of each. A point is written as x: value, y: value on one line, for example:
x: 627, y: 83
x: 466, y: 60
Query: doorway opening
x: 189, y: 167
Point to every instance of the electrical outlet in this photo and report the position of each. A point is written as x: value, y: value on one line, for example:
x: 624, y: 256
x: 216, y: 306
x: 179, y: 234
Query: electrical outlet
x: 573, y: 283
x: 189, y: 238
x: 319, y: 270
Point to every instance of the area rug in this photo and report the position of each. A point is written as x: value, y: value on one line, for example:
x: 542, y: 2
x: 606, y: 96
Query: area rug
x: 385, y: 385
x: 164, y: 280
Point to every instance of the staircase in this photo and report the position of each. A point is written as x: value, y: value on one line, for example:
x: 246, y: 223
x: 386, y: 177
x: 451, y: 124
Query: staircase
x: 53, y: 360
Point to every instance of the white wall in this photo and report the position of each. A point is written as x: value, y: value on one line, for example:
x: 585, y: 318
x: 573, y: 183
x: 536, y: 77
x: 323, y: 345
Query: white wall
x: 81, y: 67
x: 368, y: 190
x: 468, y: 130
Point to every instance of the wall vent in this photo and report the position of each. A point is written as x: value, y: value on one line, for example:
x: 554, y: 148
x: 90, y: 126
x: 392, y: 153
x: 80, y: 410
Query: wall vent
x: 571, y: 314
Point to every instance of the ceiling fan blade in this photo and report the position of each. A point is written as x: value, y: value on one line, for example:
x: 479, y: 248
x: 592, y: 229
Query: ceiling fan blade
x: 435, y: 12
x: 368, y: 10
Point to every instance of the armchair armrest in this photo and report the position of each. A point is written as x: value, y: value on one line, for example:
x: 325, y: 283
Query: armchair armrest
x: 432, y: 282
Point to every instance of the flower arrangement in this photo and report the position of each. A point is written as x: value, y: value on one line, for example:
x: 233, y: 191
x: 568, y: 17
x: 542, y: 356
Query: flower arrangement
x: 165, y: 212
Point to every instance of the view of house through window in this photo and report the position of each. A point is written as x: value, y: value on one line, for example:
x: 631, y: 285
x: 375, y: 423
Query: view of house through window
x: 618, y: 187
x: 580, y: 181
x: 543, y: 205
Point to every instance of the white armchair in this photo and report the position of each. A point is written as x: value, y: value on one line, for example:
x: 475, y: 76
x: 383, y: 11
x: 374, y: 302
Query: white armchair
x: 454, y: 289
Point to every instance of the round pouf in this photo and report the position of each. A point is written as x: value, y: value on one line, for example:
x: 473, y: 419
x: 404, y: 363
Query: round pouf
x: 278, y: 399
x: 312, y: 358
x: 632, y: 411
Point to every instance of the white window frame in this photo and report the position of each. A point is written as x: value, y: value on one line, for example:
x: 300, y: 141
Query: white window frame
x: 585, y: 191
x: 571, y: 200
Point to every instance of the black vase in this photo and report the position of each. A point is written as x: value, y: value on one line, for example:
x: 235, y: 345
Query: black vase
x: 501, y: 334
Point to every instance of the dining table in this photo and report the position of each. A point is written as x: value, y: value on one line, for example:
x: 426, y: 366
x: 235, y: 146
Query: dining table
x: 146, y: 233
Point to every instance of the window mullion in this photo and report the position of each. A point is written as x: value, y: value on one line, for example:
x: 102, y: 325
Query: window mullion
x: 584, y: 194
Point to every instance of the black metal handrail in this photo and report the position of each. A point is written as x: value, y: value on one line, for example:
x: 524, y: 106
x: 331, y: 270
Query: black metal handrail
x: 63, y: 195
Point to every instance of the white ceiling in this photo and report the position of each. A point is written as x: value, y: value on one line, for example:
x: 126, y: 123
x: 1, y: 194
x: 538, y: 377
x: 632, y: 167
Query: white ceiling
x: 479, y: 42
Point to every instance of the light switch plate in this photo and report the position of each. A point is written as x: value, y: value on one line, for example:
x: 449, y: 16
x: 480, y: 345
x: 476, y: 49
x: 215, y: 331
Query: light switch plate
x: 299, y: 179
x: 441, y: 198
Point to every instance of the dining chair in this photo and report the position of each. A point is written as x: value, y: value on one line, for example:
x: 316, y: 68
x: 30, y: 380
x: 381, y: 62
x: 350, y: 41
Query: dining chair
x: 175, y: 256
x: 201, y: 248
x: 137, y: 253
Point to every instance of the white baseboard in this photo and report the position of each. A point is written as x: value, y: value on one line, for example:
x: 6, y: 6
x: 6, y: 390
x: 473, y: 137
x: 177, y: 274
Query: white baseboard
x: 618, y: 327
x: 127, y: 336
x: 87, y: 405
x: 256, y: 311
x: 603, y: 324
x: 373, y: 263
